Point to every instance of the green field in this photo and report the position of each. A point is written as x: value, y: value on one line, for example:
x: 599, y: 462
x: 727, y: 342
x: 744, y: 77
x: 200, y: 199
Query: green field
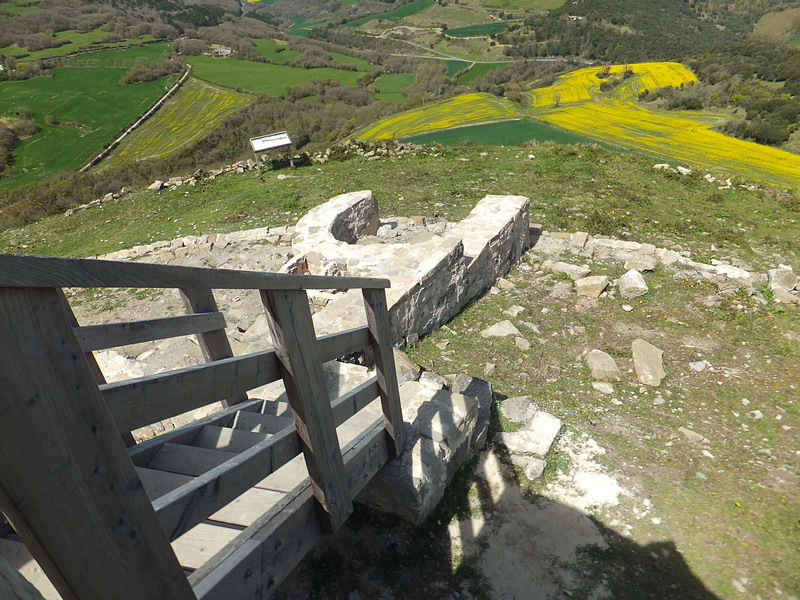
x: 183, y: 119
x: 266, y: 48
x: 478, y: 70
x: 259, y: 77
x: 358, y: 63
x: 505, y: 133
x: 524, y: 4
x: 301, y: 26
x: 118, y: 57
x: 92, y: 97
x: 476, y: 30
x: 454, y: 66
x: 19, y: 8
x: 388, y: 86
x: 77, y: 41
x: 406, y: 10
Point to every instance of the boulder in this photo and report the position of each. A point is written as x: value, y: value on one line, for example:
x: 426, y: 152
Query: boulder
x: 482, y: 391
x: 647, y: 363
x: 782, y: 277
x: 535, y: 439
x: 602, y: 365
x: 591, y: 287
x: 632, y: 285
x: 574, y: 271
x: 782, y: 296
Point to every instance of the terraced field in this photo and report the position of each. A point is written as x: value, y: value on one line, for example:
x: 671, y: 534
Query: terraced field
x: 461, y: 110
x: 186, y: 117
x: 576, y: 103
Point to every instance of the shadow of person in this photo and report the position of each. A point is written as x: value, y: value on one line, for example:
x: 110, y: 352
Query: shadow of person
x: 491, y: 538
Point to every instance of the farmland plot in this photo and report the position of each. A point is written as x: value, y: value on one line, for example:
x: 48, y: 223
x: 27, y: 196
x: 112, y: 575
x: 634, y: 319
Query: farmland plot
x: 186, y: 117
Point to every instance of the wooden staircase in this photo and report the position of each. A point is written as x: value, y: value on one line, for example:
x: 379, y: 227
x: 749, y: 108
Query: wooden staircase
x: 223, y: 507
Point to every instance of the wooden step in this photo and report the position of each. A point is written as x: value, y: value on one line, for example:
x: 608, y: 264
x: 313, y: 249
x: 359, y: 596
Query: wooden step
x: 188, y: 460
x: 228, y: 439
x: 258, y: 423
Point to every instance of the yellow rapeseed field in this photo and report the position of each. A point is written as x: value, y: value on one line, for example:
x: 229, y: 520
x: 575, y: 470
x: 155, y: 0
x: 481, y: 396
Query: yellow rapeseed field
x: 468, y: 109
x: 575, y: 103
x: 194, y: 110
x: 584, y: 84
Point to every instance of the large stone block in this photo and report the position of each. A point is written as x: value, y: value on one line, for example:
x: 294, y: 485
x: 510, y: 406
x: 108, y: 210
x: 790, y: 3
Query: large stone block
x: 482, y: 391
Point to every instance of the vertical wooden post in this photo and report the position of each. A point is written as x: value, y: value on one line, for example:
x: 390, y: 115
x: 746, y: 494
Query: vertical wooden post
x: 380, y: 332
x: 295, y: 345
x: 214, y: 344
x: 99, y: 378
x: 66, y: 481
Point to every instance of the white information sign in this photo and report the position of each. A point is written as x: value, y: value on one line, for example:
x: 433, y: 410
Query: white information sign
x: 268, y: 142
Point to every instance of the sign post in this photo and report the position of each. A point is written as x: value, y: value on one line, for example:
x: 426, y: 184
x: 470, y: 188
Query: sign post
x: 270, y: 142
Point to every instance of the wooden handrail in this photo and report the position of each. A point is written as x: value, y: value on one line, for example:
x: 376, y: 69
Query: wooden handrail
x: 48, y: 272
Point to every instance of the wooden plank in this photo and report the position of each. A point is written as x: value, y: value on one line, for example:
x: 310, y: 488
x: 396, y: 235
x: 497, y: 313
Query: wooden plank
x: 138, y: 402
x: 159, y: 483
x: 190, y: 504
x: 45, y: 271
x: 143, y: 453
x: 17, y: 555
x: 213, y: 344
x: 291, y: 528
x: 382, y: 344
x: 201, y: 543
x: 245, y: 509
x: 258, y: 423
x: 228, y: 439
x: 188, y: 460
x: 76, y: 499
x: 292, y: 329
x: 99, y: 377
x: 100, y: 337
x: 237, y: 577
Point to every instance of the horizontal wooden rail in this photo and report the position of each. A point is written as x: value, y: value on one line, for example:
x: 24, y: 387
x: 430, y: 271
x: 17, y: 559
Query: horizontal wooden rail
x: 44, y: 271
x: 138, y: 402
x: 195, y: 501
x: 100, y: 337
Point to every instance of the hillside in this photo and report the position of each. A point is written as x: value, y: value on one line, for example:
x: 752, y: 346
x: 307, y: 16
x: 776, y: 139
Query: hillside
x: 624, y: 507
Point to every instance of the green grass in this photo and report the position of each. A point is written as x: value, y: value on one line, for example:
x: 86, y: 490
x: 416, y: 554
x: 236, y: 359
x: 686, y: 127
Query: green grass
x: 267, y: 49
x: 77, y: 41
x: 575, y: 189
x: 794, y: 40
x: 389, y: 85
x: 478, y: 70
x: 505, y: 133
x: 454, y: 66
x: 412, y: 8
x: 121, y: 57
x: 19, y: 7
x: 358, y: 63
x: 92, y: 97
x: 183, y: 119
x: 524, y: 4
x: 476, y: 30
x: 259, y: 77
x: 301, y: 26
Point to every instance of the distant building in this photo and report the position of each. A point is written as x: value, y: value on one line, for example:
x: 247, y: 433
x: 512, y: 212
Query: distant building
x: 223, y: 51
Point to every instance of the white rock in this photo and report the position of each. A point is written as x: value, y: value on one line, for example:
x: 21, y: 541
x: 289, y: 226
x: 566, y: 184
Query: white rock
x: 602, y: 365
x: 502, y: 329
x: 603, y: 387
x: 632, y: 285
x: 591, y: 287
x: 782, y: 277
x: 647, y: 363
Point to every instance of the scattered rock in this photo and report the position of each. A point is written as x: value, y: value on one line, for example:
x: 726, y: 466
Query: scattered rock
x: 632, y: 285
x: 699, y: 366
x: 432, y: 380
x: 535, y: 439
x: 532, y: 467
x: 784, y: 297
x: 602, y: 365
x: 754, y: 414
x: 603, y: 387
x: 522, y: 344
x: 514, y: 311
x: 627, y: 307
x: 502, y: 329
x: 519, y: 409
x: 647, y: 363
x: 693, y: 436
x: 574, y: 271
x: 591, y: 287
x: 782, y: 277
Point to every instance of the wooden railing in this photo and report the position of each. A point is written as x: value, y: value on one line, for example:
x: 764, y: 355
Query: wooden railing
x: 69, y: 485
